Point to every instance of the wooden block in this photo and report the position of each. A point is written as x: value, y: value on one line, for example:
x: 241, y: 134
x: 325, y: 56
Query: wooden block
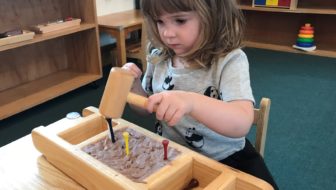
x: 50, y: 27
x: 260, y: 2
x: 62, y: 146
x: 288, y: 4
x: 26, y: 35
x: 284, y: 3
x: 272, y: 3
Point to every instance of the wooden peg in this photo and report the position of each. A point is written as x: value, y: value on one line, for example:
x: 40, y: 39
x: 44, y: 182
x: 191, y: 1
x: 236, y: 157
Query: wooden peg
x: 126, y: 139
x: 165, y: 148
x: 109, y: 120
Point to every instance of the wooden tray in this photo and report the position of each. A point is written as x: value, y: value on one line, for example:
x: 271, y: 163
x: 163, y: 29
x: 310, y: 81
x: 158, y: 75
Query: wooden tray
x: 26, y: 35
x: 50, y: 27
x: 61, y: 145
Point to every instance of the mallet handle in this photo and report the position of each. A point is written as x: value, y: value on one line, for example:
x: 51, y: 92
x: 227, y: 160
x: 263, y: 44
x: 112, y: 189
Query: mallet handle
x: 137, y: 100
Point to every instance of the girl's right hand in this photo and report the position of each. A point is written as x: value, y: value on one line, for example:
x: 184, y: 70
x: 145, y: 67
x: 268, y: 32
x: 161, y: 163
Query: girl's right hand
x: 134, y: 69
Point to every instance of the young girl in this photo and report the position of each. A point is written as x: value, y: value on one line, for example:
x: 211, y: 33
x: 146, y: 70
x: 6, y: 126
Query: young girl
x: 197, y: 80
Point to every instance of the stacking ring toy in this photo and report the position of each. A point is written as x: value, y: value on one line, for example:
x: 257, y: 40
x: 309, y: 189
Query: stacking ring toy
x: 306, y: 35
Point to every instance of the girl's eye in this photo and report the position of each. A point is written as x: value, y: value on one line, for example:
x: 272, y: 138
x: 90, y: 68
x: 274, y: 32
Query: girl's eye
x: 180, y: 21
x: 159, y: 22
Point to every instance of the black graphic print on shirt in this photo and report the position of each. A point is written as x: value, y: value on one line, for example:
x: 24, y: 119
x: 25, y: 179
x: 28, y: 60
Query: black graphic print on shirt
x: 149, y: 87
x: 167, y: 83
x: 193, y: 138
x: 212, y: 92
x: 158, y: 128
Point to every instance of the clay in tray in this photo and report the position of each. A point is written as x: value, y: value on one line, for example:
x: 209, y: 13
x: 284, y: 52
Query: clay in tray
x: 146, y: 155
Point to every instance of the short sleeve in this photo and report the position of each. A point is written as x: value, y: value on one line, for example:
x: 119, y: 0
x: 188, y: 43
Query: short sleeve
x: 235, y: 77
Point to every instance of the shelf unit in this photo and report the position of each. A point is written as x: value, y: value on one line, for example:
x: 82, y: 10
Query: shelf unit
x: 277, y: 28
x: 51, y: 64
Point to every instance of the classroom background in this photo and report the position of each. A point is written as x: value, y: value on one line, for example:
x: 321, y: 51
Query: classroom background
x: 300, y: 141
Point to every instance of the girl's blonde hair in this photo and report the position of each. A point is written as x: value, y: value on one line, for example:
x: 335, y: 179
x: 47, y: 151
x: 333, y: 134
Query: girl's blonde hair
x: 221, y: 27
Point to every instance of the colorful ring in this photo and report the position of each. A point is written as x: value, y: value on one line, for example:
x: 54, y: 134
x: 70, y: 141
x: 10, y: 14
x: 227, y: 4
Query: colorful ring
x: 306, y: 31
x: 300, y: 44
x: 306, y: 27
x: 306, y: 35
x: 305, y: 40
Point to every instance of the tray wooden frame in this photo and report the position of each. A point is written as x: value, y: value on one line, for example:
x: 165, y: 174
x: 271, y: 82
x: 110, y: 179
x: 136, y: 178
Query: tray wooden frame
x: 61, y: 145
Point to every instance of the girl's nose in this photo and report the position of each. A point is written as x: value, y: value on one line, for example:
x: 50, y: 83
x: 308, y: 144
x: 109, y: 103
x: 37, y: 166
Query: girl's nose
x: 168, y: 32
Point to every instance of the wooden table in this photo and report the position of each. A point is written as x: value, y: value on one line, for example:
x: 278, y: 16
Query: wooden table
x: 119, y: 25
x: 23, y: 167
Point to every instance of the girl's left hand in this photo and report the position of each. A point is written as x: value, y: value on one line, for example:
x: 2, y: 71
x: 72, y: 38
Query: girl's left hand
x: 170, y: 106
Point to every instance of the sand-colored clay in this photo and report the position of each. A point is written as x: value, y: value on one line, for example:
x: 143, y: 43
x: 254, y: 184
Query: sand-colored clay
x: 146, y: 155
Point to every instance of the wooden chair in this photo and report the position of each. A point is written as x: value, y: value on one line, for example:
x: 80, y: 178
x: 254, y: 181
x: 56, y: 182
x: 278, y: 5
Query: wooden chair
x: 261, y: 116
x: 138, y: 50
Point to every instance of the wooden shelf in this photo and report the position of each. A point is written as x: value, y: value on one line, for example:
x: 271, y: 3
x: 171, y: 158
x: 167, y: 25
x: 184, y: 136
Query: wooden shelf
x: 282, y: 10
x: 324, y: 53
x: 41, y: 90
x: 50, y: 64
x: 277, y: 28
x: 43, y: 37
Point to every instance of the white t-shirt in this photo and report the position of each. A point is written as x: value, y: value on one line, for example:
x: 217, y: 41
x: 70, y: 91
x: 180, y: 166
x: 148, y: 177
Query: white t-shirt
x: 227, y: 80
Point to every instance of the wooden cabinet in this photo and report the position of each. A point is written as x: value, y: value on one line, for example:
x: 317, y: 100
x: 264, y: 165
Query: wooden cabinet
x: 51, y: 64
x: 277, y: 28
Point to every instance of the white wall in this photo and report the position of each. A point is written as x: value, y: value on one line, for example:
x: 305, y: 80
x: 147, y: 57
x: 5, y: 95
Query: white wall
x: 111, y: 6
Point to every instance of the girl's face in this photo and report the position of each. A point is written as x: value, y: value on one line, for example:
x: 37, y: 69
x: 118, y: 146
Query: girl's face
x: 179, y: 31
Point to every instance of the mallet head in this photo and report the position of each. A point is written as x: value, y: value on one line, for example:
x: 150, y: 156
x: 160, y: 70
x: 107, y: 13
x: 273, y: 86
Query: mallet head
x: 115, y: 94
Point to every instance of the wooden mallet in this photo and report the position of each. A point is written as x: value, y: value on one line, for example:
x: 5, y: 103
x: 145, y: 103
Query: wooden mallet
x: 116, y: 94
